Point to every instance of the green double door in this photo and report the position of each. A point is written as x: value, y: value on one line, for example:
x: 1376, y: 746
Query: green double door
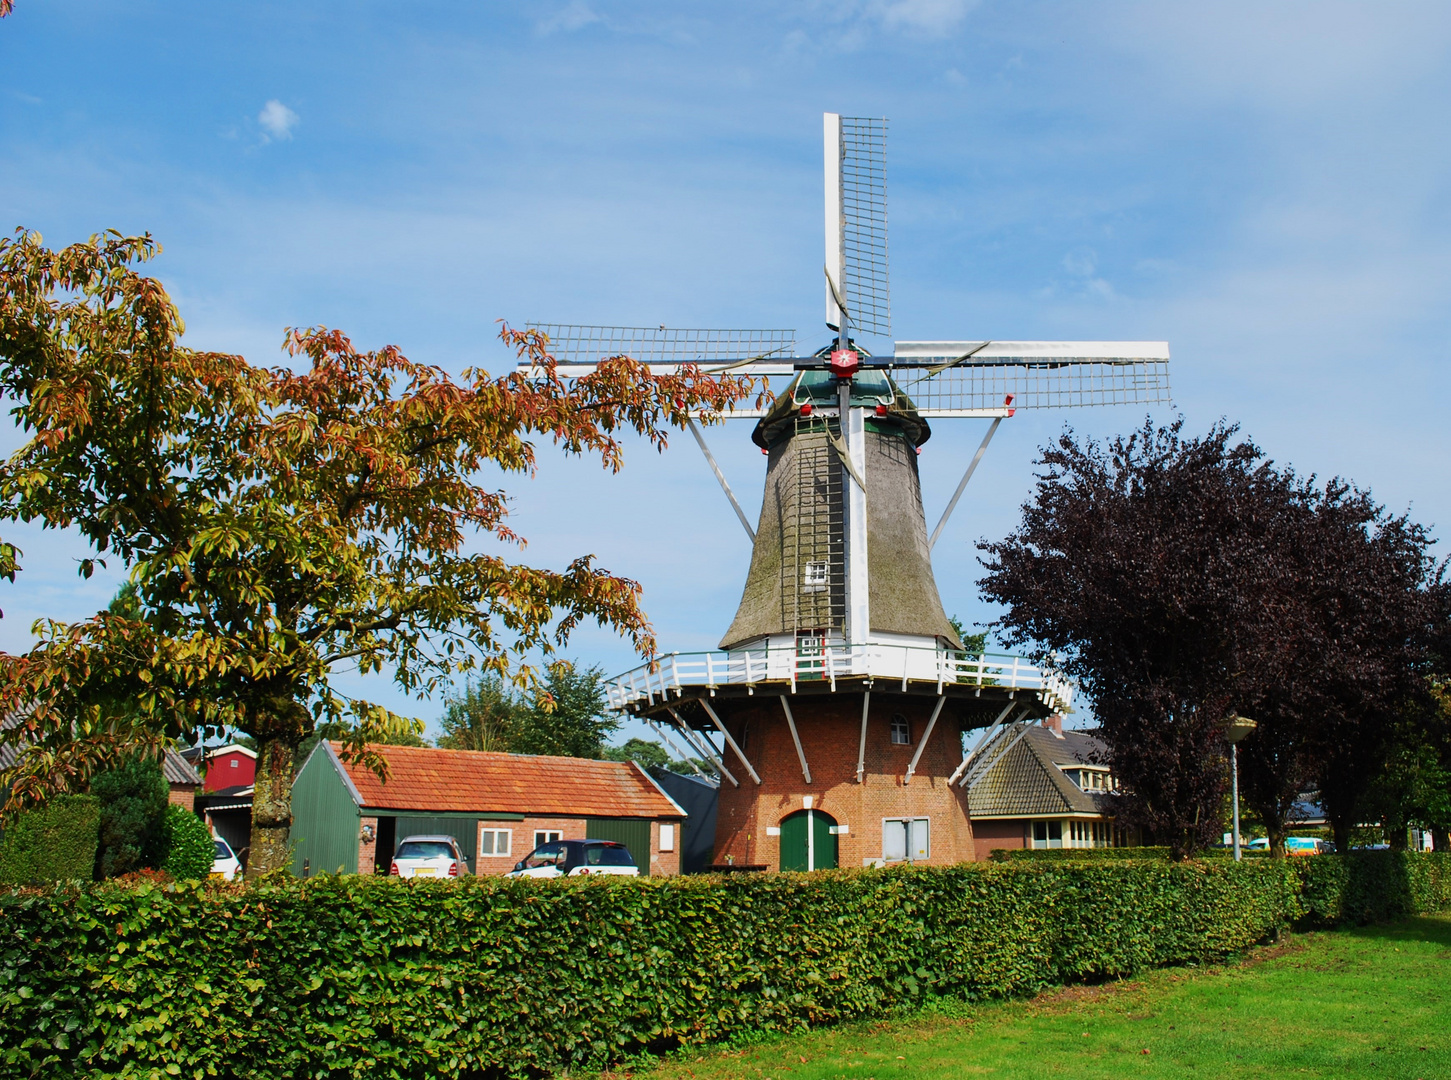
x: 808, y: 841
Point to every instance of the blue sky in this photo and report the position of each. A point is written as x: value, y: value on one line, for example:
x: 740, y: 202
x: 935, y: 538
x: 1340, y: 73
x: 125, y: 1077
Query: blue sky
x: 1265, y: 186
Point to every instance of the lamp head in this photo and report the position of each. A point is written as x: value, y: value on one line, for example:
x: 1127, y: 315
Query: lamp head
x: 1238, y: 727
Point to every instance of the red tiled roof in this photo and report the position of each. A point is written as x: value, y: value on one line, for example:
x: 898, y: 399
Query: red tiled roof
x: 467, y: 781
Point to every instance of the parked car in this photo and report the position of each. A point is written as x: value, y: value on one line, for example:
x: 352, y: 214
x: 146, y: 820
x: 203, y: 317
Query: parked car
x: 574, y: 858
x: 1308, y: 845
x: 429, y: 856
x: 225, y: 864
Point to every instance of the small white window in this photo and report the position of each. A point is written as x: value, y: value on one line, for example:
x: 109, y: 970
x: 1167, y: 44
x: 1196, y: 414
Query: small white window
x: 667, y: 837
x: 232, y: 763
x: 815, y: 576
x: 901, y: 731
x: 905, y: 840
x: 546, y: 836
x: 495, y: 841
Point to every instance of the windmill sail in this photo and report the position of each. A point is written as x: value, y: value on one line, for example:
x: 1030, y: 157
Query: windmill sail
x: 579, y: 348
x: 856, y: 226
x: 973, y: 378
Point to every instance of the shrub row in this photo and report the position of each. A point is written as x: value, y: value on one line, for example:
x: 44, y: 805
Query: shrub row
x: 54, y: 842
x: 1112, y: 854
x: 1117, y: 854
x: 356, y: 976
x: 1372, y: 886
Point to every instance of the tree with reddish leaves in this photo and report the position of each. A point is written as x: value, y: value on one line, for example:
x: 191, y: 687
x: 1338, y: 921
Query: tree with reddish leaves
x: 279, y: 524
x: 1183, y: 580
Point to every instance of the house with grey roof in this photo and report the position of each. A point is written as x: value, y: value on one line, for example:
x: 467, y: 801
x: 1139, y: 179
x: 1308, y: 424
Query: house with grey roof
x: 1037, y: 785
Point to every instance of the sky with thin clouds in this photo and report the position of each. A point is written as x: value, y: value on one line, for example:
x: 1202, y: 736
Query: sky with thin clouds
x: 1266, y: 186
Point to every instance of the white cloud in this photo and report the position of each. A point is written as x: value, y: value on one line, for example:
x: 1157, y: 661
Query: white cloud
x: 575, y: 15
x: 277, y: 121
x: 930, y: 18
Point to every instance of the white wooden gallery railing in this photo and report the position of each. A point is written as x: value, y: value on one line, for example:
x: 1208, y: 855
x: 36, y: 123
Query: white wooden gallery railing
x: 667, y: 677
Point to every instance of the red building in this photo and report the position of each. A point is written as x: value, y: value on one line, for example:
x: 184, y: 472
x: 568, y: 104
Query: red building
x: 230, y: 766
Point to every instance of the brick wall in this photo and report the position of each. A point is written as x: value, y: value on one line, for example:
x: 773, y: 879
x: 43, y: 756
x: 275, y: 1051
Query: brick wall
x: 988, y: 835
x: 367, y: 847
x: 183, y: 795
x: 830, y: 728
x: 522, y: 840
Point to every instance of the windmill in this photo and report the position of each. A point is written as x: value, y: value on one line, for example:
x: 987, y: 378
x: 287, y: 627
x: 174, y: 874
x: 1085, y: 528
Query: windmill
x: 840, y: 692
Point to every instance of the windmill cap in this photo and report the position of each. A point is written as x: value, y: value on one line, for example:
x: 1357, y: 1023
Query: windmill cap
x: 870, y: 388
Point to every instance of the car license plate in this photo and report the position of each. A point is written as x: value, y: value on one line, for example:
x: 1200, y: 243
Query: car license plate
x: 423, y: 871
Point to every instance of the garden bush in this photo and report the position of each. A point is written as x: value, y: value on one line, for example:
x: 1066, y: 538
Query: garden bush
x: 133, y: 817
x: 362, y: 976
x: 190, y: 850
x: 1077, y: 854
x: 1372, y: 886
x: 54, y: 842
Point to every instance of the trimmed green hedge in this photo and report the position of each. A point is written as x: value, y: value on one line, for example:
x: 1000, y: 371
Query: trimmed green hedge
x: 190, y: 850
x: 376, y: 977
x: 1112, y: 854
x: 359, y: 976
x: 1372, y: 886
x: 1118, y: 854
x: 54, y: 842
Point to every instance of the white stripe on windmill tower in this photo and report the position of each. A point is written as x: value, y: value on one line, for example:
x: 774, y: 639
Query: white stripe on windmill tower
x: 841, y: 678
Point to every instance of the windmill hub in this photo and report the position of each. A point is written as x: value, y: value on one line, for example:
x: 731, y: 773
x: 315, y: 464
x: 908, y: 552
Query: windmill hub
x: 847, y: 712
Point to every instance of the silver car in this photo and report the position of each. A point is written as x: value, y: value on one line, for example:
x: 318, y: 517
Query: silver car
x: 429, y: 856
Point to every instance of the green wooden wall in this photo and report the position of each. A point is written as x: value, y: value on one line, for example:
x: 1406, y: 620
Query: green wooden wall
x: 634, y: 833
x: 325, y: 820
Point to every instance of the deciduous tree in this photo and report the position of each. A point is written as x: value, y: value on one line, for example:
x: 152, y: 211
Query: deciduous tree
x: 280, y: 524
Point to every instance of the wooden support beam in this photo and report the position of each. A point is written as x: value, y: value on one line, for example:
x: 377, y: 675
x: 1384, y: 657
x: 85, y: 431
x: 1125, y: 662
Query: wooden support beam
x: 791, y: 722
x: 922, y: 743
x: 749, y: 768
x: 861, y: 757
x: 706, y: 752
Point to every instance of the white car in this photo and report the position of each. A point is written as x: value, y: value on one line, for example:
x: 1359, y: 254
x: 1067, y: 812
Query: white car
x: 225, y: 864
x: 577, y: 858
x: 429, y: 856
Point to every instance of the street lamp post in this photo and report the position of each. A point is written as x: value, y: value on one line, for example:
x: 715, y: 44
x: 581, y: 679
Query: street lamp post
x: 1237, y: 728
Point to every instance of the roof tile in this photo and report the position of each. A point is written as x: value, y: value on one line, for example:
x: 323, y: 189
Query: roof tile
x: 470, y: 781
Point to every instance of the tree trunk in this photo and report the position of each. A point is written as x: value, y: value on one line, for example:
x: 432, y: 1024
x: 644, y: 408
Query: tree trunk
x: 271, y: 808
x: 1340, y: 829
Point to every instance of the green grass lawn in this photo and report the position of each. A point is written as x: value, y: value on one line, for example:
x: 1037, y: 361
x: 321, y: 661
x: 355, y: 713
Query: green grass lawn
x: 1369, y: 1002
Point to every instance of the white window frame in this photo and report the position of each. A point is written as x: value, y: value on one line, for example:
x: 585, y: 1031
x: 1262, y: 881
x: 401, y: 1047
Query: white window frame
x: 505, y: 851
x: 816, y: 576
x: 902, y: 724
x: 546, y: 836
x: 924, y: 822
x: 667, y: 836
x: 1047, y: 842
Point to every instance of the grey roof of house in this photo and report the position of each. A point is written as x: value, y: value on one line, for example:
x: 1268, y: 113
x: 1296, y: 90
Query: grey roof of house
x: 173, y: 766
x: 1024, y: 778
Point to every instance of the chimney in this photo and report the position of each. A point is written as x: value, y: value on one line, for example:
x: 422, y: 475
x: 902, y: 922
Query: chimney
x: 1054, y: 724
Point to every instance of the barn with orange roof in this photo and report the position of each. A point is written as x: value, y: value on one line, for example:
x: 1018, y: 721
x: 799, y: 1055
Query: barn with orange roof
x: 498, y: 806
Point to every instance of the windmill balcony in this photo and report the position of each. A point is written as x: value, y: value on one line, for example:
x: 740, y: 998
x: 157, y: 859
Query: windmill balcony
x: 822, y: 665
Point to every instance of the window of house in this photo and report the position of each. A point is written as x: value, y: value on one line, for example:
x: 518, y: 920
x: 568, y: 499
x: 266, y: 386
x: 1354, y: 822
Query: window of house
x: 546, y: 836
x: 1089, y: 834
x: 901, y: 731
x: 667, y: 837
x: 232, y: 763
x: 905, y: 839
x: 495, y: 841
x: 1047, y: 834
x: 815, y: 576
